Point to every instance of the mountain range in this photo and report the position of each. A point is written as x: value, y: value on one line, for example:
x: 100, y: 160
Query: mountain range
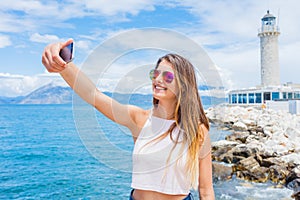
x: 53, y: 94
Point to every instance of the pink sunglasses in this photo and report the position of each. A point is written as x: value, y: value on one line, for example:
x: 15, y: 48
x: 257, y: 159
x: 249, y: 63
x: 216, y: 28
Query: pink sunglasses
x: 167, y: 76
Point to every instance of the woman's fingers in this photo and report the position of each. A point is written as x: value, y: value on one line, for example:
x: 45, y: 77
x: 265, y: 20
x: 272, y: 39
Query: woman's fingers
x: 51, y: 59
x: 66, y: 43
x: 47, y: 61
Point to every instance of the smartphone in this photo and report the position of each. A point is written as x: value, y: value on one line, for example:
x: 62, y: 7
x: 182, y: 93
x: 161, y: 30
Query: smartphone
x: 67, y: 53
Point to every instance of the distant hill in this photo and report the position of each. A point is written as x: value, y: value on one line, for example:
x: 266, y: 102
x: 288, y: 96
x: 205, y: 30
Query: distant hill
x: 10, y: 100
x: 53, y: 94
x: 48, y: 94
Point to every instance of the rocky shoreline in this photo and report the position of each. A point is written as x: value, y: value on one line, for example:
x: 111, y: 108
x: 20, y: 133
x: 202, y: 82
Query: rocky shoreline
x: 264, y: 144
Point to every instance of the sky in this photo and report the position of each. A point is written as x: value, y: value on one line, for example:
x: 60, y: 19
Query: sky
x: 225, y: 29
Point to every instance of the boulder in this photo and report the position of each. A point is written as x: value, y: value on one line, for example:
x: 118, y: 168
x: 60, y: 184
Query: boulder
x: 244, y: 151
x: 278, y: 173
x: 293, y: 158
x: 238, y: 136
x: 249, y: 169
x: 221, y: 171
x: 267, y: 162
x: 293, y: 181
x: 220, y: 150
x: 246, y: 164
x: 239, y: 126
x: 228, y: 157
x: 221, y: 144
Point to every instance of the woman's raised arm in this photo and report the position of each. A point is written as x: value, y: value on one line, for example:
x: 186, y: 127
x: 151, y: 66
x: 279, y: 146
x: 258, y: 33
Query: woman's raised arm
x: 126, y: 115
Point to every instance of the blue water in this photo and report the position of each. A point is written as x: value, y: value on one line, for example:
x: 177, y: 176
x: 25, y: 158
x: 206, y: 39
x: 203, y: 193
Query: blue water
x: 43, y: 157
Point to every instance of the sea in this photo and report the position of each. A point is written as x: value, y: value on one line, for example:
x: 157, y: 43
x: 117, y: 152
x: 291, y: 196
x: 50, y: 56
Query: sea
x: 43, y: 155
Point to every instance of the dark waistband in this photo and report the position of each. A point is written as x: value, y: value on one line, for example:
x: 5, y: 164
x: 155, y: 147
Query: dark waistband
x: 188, y: 197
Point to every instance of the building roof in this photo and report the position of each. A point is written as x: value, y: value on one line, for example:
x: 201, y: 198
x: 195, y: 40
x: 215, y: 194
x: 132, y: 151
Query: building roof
x: 268, y: 16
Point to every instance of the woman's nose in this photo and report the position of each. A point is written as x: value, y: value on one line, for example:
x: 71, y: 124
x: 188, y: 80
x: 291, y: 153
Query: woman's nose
x: 159, y: 78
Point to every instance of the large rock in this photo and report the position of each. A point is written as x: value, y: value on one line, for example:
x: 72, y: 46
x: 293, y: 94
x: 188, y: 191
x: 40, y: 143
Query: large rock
x: 278, y: 173
x: 244, y: 151
x: 249, y: 169
x: 221, y: 144
x: 267, y: 162
x: 221, y: 172
x: 293, y: 182
x: 246, y: 164
x: 293, y: 158
x: 220, y: 150
x: 238, y: 136
x: 239, y: 126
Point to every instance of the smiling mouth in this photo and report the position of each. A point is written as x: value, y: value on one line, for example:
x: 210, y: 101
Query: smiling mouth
x: 157, y: 87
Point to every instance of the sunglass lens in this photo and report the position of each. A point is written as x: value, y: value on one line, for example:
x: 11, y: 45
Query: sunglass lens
x: 168, y: 77
x: 151, y: 74
x: 154, y: 73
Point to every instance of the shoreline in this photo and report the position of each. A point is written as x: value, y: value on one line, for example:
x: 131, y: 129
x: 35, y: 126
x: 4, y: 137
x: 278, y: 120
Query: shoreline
x: 263, y: 146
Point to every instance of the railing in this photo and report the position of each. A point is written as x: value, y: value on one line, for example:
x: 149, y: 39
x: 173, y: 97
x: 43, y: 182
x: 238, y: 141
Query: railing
x: 267, y: 28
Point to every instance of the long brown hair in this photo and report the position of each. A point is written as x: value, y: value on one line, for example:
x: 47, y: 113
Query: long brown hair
x: 189, y: 112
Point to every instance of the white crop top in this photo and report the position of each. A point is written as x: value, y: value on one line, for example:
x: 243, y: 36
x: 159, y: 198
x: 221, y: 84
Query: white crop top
x: 151, y: 170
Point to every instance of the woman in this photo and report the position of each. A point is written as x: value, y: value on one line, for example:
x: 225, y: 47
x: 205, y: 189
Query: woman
x: 172, y: 147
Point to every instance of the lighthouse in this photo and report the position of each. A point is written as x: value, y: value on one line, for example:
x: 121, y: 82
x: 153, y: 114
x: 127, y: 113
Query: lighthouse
x: 268, y: 34
x: 285, y: 97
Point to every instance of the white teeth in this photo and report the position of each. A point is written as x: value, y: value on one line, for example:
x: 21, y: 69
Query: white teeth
x: 159, y: 88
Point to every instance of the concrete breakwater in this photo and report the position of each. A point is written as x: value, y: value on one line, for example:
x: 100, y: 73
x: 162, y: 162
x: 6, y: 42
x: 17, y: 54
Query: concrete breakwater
x: 264, y: 144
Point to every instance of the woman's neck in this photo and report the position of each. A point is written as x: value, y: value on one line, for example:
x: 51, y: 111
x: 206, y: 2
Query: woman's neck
x: 165, y: 111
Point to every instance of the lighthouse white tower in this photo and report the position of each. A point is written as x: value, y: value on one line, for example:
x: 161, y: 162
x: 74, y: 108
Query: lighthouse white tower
x: 268, y: 34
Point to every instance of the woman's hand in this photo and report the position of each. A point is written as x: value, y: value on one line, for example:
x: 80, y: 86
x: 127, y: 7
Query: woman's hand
x: 51, y: 59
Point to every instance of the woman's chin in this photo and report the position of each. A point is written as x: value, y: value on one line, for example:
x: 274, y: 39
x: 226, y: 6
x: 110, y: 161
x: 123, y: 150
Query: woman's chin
x: 163, y: 94
x: 159, y: 93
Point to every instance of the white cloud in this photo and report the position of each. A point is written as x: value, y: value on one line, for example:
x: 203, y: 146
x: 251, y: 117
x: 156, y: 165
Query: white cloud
x: 84, y: 45
x: 289, y: 62
x: 10, y: 23
x: 20, y: 16
x: 25, y: 6
x: 12, y: 85
x: 30, y: 8
x: 107, y: 8
x: 36, y: 37
x: 74, y: 8
x: 239, y: 67
x: 4, y: 41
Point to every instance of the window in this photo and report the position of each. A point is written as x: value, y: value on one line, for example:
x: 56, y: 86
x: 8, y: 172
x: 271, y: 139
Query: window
x: 245, y: 98
x: 257, y: 97
x: 284, y: 95
x: 267, y: 96
x: 234, y: 100
x: 275, y: 95
x: 290, y: 95
x: 240, y: 100
x: 251, y: 98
